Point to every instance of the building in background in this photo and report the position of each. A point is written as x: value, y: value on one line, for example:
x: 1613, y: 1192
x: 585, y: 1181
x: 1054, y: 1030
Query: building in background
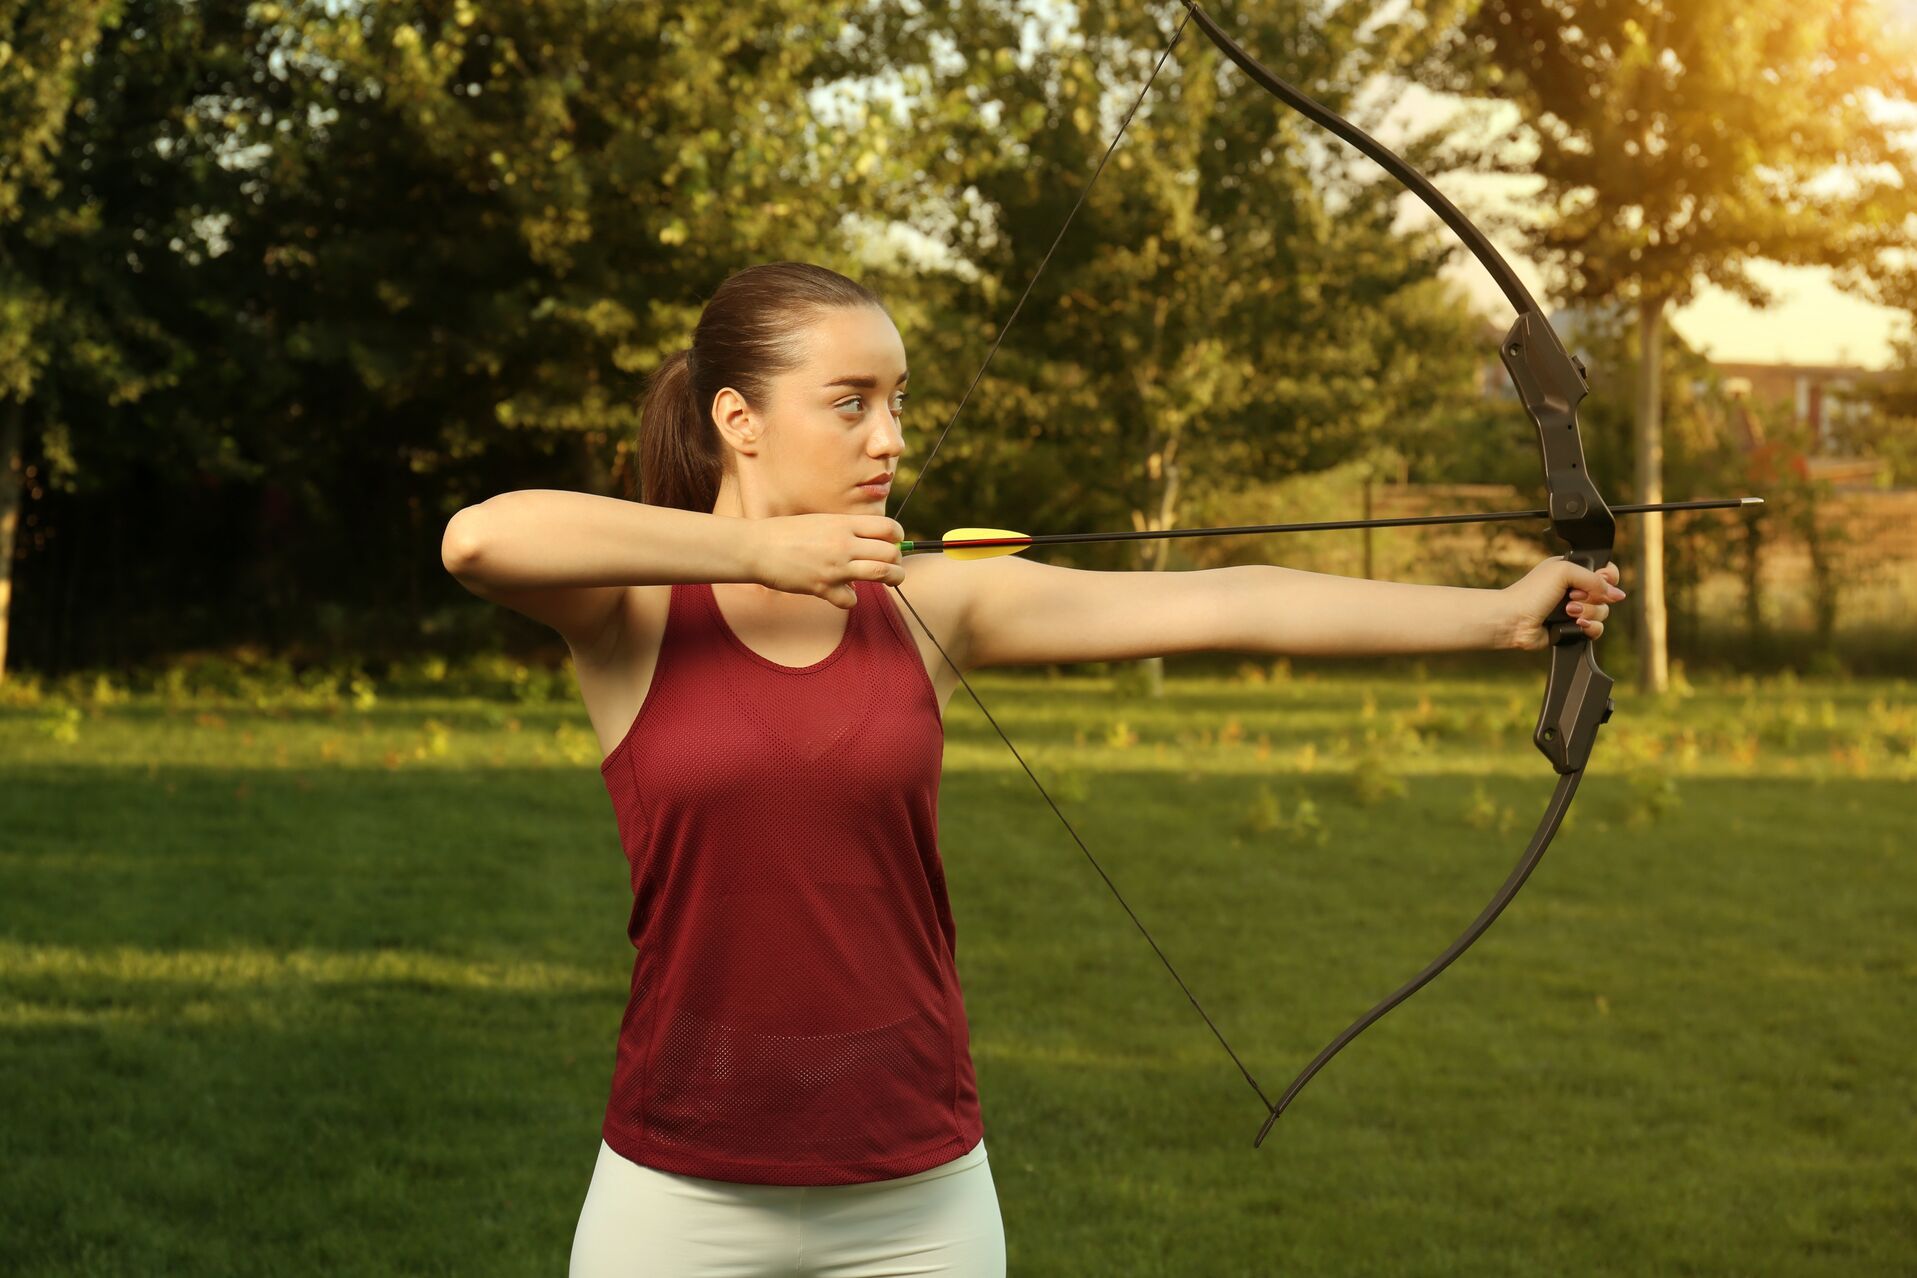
x: 1822, y: 396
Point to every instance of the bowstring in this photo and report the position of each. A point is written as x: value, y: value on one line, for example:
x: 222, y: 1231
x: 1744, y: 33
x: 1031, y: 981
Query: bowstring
x: 937, y: 643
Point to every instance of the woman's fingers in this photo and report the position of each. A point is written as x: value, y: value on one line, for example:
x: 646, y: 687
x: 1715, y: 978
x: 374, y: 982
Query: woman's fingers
x: 1601, y: 585
x: 845, y: 595
x: 1591, y: 597
x: 1602, y: 582
x: 1590, y: 617
x: 870, y: 548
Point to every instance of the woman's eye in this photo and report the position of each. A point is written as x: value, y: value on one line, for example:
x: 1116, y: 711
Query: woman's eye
x: 856, y: 404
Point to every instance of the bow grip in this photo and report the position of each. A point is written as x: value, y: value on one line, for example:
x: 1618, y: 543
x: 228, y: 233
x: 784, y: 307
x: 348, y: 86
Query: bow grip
x: 1577, y: 695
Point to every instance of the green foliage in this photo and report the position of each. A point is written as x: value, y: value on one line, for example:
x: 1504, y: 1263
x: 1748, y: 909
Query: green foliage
x: 365, y: 265
x: 1373, y: 777
x: 1888, y: 430
x: 102, y: 231
x: 1068, y: 784
x: 1654, y: 794
x: 252, y: 679
x: 1226, y: 306
x: 1483, y: 812
x: 1297, y: 819
x: 1131, y: 680
x: 1675, y: 159
x: 61, y: 724
x: 369, y: 264
x: 1661, y: 169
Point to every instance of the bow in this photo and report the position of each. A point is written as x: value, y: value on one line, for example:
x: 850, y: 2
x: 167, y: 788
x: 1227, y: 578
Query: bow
x: 1550, y: 383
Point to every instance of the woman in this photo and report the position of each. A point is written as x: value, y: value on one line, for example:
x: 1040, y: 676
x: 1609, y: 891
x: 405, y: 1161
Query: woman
x: 793, y: 1089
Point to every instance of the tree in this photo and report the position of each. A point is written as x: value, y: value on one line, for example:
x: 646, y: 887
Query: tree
x: 1889, y: 429
x: 379, y: 259
x: 40, y: 48
x: 1231, y: 303
x: 99, y: 195
x: 1678, y: 145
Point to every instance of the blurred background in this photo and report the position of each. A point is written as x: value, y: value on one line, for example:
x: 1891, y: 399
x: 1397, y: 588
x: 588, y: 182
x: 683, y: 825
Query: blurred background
x: 311, y: 909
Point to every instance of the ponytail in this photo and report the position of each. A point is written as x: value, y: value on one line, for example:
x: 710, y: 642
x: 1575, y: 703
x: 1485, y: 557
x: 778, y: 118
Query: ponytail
x: 679, y: 461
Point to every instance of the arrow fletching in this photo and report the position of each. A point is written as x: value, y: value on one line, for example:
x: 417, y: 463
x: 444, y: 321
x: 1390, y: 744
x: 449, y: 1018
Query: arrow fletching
x: 996, y: 542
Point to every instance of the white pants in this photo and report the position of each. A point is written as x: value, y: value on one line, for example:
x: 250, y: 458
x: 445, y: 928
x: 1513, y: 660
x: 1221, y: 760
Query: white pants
x: 640, y: 1222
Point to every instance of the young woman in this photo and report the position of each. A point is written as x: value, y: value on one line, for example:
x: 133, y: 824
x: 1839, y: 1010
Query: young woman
x: 792, y: 1091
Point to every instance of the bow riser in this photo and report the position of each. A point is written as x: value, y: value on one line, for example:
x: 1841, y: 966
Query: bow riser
x: 1577, y: 701
x: 1551, y: 383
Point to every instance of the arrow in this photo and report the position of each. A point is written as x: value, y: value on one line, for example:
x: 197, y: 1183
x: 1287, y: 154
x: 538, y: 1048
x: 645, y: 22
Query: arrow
x: 989, y: 543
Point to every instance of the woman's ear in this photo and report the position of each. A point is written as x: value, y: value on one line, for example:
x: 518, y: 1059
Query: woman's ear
x: 735, y: 421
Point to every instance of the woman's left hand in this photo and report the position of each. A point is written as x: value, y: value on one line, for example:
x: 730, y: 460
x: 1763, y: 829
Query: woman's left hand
x: 1536, y: 597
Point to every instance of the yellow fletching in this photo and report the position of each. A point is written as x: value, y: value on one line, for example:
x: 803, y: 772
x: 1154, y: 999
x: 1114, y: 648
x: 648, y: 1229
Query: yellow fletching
x: 981, y: 534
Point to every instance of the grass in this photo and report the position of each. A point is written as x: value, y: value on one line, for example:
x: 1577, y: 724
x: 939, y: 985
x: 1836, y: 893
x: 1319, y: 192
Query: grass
x: 312, y: 975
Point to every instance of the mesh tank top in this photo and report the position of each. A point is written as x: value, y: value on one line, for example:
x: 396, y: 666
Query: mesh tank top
x: 795, y: 1016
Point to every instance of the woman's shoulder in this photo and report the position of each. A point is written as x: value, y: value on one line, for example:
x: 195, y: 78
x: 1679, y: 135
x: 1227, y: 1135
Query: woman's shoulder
x: 937, y: 596
x: 931, y: 579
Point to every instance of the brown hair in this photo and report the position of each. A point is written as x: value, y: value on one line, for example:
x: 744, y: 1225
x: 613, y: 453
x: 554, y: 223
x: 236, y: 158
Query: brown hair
x: 746, y: 335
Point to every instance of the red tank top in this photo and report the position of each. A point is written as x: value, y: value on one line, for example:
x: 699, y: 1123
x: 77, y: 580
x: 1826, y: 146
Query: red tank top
x: 795, y: 1016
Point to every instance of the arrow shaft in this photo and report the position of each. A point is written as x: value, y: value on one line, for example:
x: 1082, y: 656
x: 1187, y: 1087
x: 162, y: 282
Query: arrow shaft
x: 1326, y: 525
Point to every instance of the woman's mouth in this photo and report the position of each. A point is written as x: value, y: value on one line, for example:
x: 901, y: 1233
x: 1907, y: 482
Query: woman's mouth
x: 876, y: 487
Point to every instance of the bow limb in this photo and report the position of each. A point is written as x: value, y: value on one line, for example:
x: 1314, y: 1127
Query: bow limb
x: 1533, y: 853
x: 1550, y: 383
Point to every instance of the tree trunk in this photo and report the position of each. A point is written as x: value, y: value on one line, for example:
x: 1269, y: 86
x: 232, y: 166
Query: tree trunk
x: 1824, y: 585
x: 1653, y: 666
x: 13, y: 478
x: 1165, y: 462
x: 1366, y: 514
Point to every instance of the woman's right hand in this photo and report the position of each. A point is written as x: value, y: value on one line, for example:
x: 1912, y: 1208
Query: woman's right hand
x: 824, y: 554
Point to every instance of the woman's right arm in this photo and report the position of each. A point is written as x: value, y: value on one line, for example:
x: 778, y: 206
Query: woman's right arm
x: 565, y: 558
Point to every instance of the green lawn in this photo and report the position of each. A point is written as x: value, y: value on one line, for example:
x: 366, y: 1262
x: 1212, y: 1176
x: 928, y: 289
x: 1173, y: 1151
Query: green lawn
x: 322, y: 980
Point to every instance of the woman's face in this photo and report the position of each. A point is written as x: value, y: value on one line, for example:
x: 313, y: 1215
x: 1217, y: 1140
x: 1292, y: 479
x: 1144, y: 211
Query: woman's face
x: 829, y: 424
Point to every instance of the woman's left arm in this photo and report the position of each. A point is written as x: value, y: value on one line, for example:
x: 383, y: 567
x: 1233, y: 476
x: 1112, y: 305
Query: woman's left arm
x: 1025, y: 612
